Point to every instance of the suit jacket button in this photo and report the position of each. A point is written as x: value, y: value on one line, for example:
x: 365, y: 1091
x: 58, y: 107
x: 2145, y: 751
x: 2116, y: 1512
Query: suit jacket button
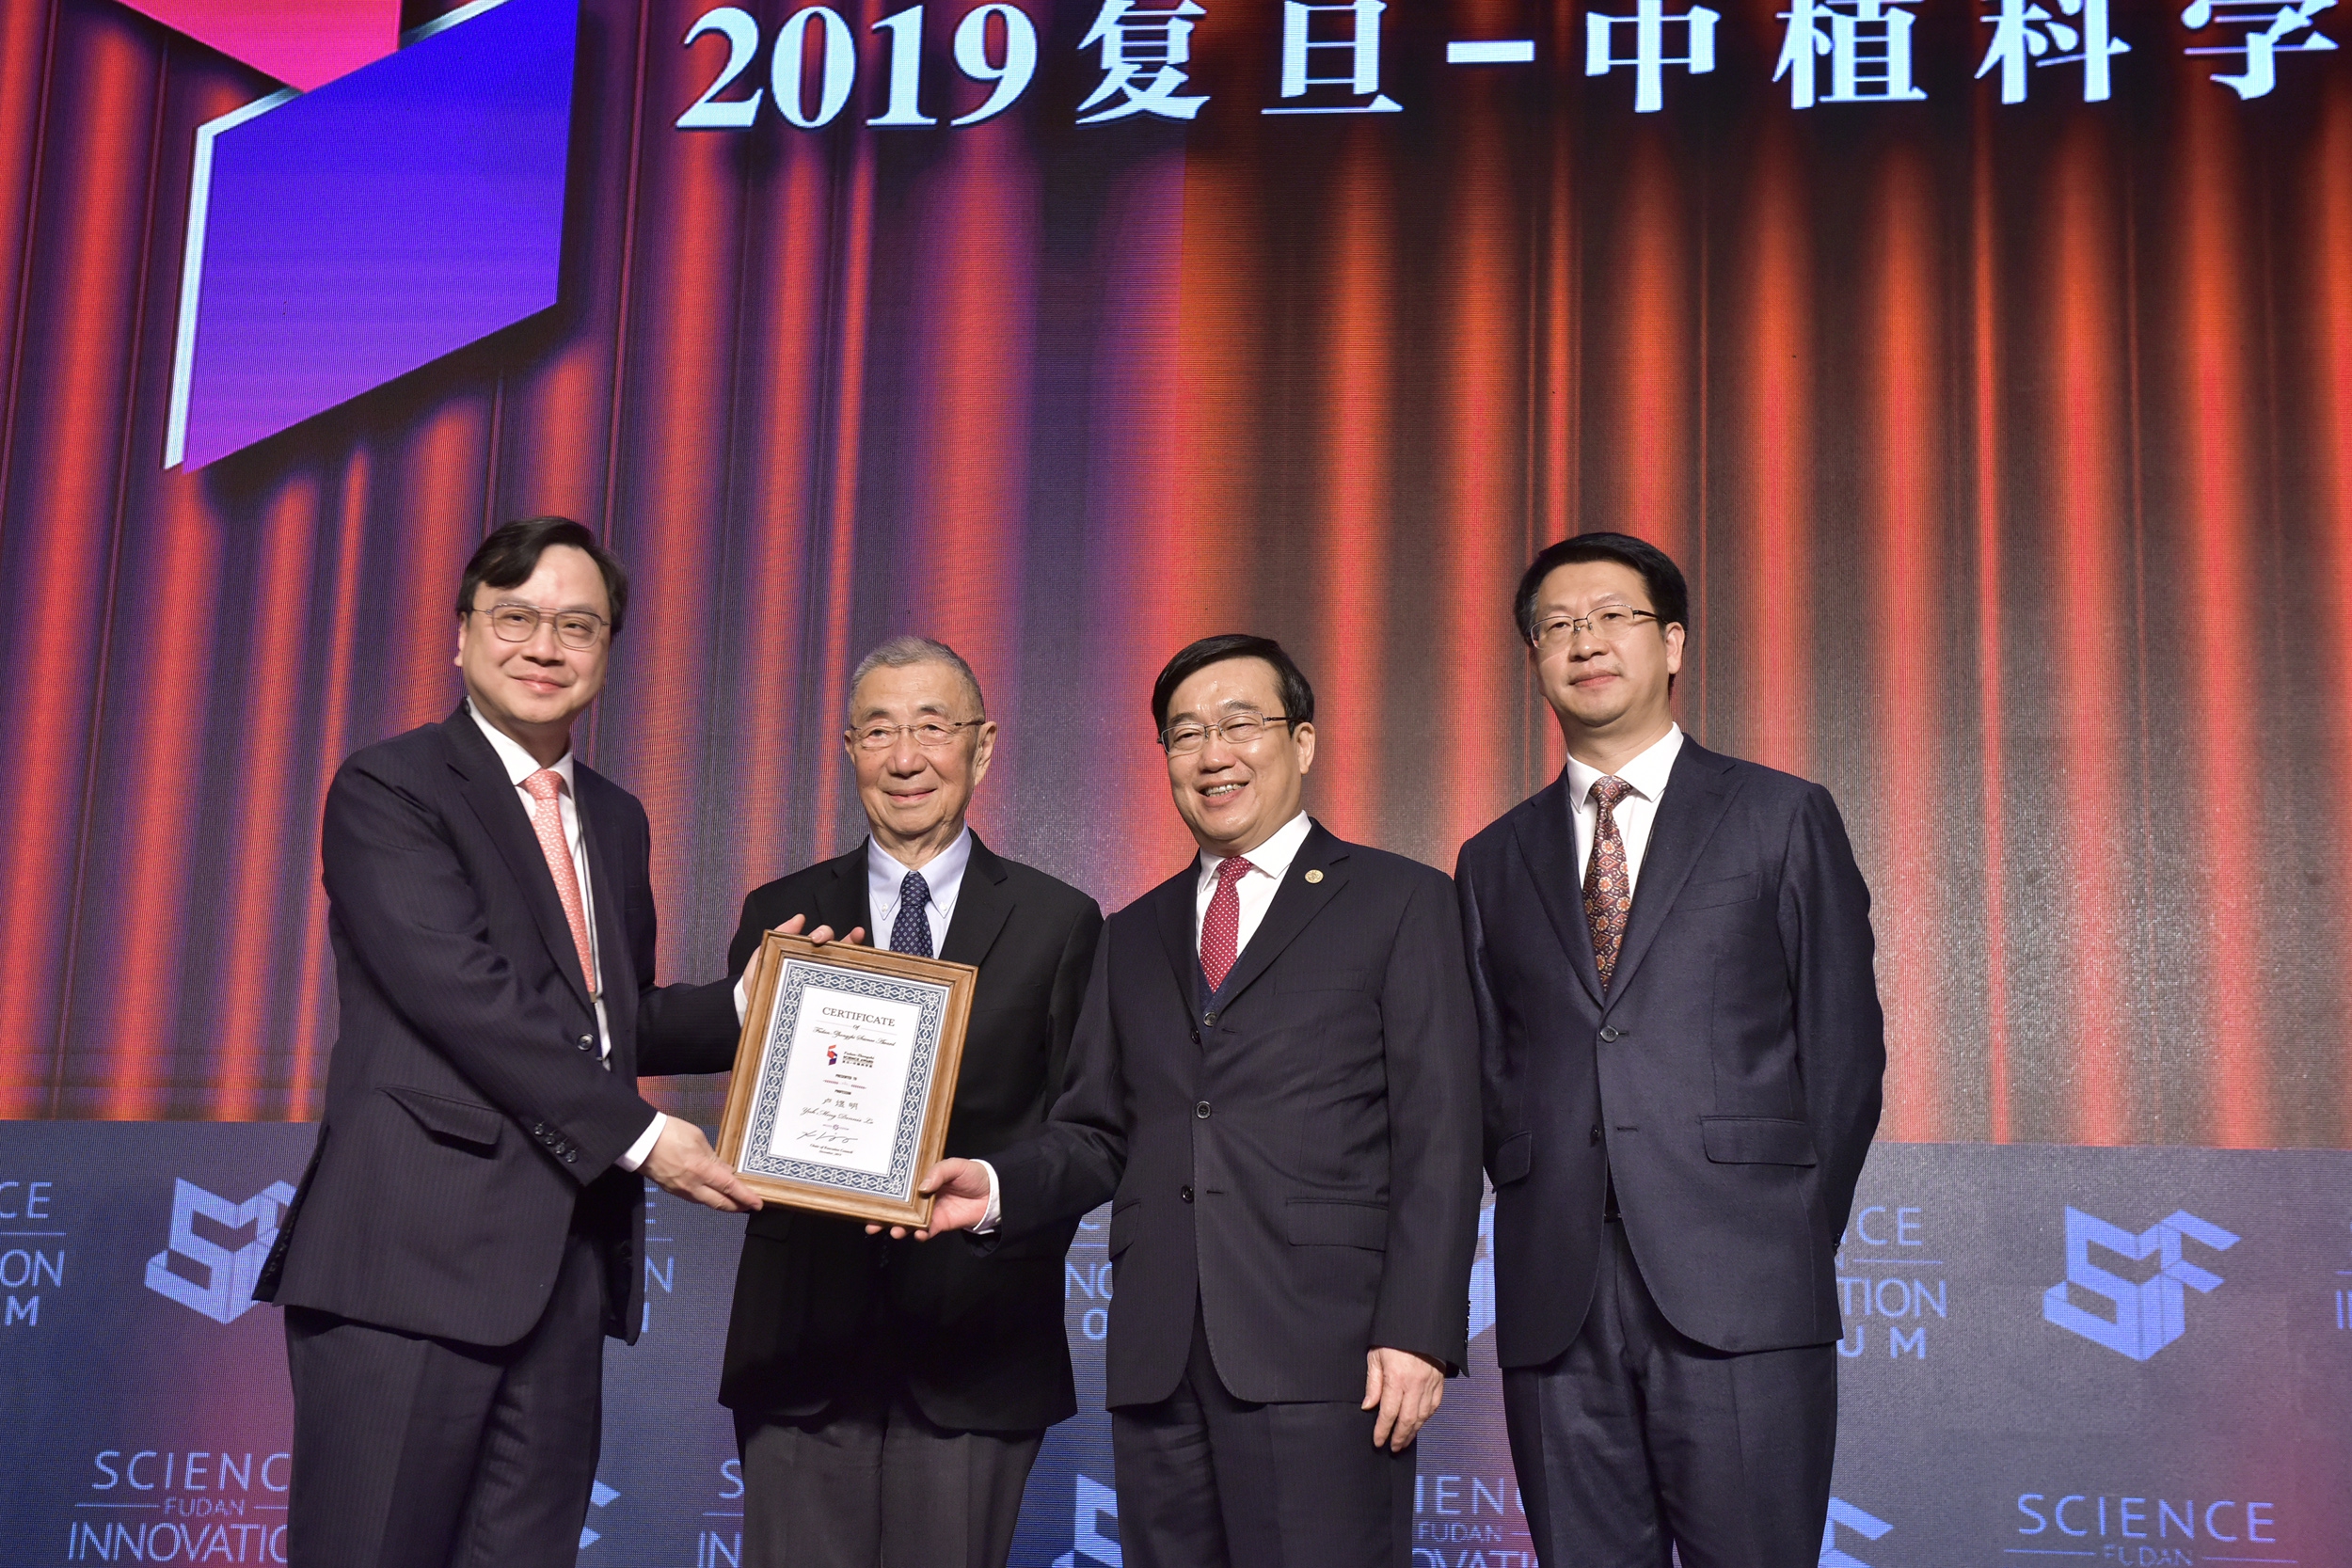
x: 1609, y: 1035
x: 587, y: 1040
x: 1186, y: 1193
x: 1208, y: 1018
x: 570, y: 1157
x: 1595, y: 1133
x: 1201, y: 1110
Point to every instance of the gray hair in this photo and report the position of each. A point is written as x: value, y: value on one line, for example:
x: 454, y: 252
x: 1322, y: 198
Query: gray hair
x: 901, y: 651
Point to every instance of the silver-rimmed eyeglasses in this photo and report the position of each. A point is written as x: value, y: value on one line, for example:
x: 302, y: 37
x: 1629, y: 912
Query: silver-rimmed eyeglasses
x: 931, y: 733
x: 1239, y: 730
x: 1610, y: 623
x: 577, y: 629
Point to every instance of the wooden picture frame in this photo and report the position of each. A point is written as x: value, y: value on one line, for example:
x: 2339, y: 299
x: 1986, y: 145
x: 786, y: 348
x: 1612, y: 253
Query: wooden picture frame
x: 845, y: 1076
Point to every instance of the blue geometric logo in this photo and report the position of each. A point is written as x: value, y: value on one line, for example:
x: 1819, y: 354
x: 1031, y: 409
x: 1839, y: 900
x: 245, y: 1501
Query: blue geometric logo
x: 2150, y: 1314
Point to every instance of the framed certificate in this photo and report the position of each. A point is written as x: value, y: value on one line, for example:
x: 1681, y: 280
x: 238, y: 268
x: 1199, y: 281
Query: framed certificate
x: 845, y: 1076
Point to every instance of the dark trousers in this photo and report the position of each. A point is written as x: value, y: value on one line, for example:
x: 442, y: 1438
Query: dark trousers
x: 1207, y: 1481
x: 872, y: 1483
x: 411, y: 1453
x: 1638, y: 1442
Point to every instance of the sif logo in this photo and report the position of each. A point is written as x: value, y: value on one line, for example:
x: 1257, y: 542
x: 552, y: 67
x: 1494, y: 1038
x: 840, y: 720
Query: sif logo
x: 389, y: 206
x: 209, y: 1278
x: 2148, y: 1315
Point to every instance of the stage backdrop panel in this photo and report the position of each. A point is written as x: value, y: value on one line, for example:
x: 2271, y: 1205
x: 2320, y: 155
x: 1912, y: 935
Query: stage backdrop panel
x: 1999, y: 404
x: 2137, y: 1357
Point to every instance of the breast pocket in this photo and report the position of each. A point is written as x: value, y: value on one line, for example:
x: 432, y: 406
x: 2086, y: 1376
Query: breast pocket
x: 1306, y: 978
x: 1719, y: 891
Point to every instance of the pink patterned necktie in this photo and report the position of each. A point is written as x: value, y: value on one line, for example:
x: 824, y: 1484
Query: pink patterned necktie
x: 1220, y: 928
x: 547, y: 820
x: 1608, y: 891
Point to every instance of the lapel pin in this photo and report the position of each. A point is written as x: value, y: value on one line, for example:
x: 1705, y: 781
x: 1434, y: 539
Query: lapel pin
x: 1314, y: 875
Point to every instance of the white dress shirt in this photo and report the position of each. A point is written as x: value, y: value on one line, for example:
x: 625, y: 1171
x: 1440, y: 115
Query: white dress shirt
x: 521, y: 765
x: 885, y: 877
x: 1636, y: 814
x: 1270, y: 862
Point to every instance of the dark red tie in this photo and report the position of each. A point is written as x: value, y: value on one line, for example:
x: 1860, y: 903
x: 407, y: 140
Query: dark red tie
x: 1220, y: 928
x: 1608, y: 891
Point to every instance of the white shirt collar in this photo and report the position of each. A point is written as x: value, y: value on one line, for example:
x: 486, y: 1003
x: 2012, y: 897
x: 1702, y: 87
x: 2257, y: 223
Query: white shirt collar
x: 520, y: 764
x: 943, y: 875
x: 1647, y: 774
x: 1275, y: 855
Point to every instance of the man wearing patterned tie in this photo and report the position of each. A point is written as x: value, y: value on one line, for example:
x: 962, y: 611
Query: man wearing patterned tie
x: 470, y: 1225
x: 890, y: 1399
x: 1682, y: 1050
x: 1275, y: 1083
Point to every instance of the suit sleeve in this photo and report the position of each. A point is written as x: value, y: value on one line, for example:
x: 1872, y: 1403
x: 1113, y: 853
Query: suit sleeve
x: 1495, y: 1114
x: 1071, y: 974
x: 415, y: 920
x: 689, y: 1028
x: 1074, y: 1161
x: 1430, y: 1033
x: 1841, y: 1035
x: 749, y: 931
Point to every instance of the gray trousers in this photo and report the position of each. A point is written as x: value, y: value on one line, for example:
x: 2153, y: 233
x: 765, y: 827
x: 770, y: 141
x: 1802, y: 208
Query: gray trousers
x: 1207, y: 1481
x: 411, y: 1453
x: 872, y: 1483
x: 1638, y: 1442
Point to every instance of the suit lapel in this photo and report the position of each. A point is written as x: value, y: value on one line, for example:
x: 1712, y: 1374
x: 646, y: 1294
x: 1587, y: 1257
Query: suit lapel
x: 842, y: 902
x: 601, y: 836
x: 1696, y: 799
x: 982, y: 906
x: 491, y: 794
x: 1296, y: 902
x: 1172, y: 904
x: 1548, y: 844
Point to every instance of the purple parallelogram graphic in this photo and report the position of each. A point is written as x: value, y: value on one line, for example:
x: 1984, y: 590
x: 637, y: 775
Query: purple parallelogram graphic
x: 343, y: 237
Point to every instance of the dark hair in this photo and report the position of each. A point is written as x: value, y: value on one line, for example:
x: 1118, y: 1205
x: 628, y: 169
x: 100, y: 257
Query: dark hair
x: 1298, y: 698
x: 508, y: 556
x: 1669, y: 595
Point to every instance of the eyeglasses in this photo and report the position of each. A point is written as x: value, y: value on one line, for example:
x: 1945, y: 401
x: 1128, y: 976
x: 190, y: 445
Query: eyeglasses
x: 931, y: 734
x: 1239, y: 731
x: 577, y: 629
x: 1610, y: 623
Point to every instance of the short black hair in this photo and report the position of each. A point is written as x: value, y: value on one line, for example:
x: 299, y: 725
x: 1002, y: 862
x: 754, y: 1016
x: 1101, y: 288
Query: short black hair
x: 1669, y: 595
x: 508, y: 556
x: 1298, y: 698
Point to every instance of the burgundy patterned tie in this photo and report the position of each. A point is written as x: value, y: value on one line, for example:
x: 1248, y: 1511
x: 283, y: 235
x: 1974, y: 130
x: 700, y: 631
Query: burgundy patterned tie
x: 1608, y: 891
x: 1220, y: 928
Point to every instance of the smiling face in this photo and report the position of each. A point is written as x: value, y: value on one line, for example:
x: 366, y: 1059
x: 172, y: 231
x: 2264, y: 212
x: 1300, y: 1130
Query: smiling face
x: 1609, y: 694
x: 1233, y: 798
x: 915, y: 797
x: 534, y: 690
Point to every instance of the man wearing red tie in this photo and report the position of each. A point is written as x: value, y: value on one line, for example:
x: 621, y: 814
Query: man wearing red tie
x: 470, y: 1227
x: 1274, y: 1079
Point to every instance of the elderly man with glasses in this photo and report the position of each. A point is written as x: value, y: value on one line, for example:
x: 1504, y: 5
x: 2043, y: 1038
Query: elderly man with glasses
x: 1275, y: 1080
x: 890, y: 1399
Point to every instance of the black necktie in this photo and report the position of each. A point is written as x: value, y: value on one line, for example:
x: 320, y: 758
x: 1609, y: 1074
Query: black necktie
x: 911, y: 931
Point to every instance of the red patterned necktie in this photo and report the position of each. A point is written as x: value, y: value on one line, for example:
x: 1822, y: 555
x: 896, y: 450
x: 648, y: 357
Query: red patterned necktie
x: 547, y: 820
x: 1608, y: 891
x: 1220, y: 928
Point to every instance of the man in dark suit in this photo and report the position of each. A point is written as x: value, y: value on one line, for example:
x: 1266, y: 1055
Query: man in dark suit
x: 1682, y: 1052
x: 1275, y: 1080
x: 889, y: 1398
x: 470, y: 1227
